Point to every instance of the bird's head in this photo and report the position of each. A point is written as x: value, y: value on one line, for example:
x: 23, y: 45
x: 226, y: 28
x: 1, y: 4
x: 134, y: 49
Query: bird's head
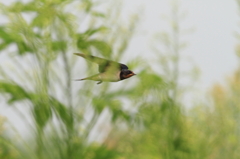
x: 126, y: 74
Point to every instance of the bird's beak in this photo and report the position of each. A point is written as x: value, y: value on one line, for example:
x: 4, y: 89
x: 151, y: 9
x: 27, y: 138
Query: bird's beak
x: 130, y: 75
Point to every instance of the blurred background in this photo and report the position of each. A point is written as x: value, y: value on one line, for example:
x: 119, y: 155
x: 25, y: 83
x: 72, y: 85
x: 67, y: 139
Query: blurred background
x: 183, y: 103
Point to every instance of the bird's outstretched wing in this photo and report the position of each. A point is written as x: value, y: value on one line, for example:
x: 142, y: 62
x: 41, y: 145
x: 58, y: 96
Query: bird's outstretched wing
x: 104, y: 64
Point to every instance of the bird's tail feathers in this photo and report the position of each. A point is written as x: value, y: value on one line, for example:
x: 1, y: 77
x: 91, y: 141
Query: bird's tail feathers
x: 80, y: 79
x: 94, y: 77
x: 79, y: 54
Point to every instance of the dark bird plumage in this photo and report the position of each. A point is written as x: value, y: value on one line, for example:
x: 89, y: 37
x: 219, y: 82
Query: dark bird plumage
x: 109, y: 71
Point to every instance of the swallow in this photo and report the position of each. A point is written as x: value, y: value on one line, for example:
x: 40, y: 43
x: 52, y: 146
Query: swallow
x: 109, y: 71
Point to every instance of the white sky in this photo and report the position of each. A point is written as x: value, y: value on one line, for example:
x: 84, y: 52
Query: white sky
x: 211, y: 46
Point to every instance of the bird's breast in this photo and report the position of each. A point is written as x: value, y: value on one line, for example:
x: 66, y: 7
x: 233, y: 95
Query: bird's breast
x: 111, y: 77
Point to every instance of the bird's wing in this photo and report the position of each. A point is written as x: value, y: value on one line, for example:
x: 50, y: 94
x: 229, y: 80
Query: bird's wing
x: 104, y: 64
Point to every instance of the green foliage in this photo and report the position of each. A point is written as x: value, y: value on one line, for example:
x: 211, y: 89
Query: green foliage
x: 46, y: 36
x: 143, y: 118
x: 16, y: 92
x: 85, y: 41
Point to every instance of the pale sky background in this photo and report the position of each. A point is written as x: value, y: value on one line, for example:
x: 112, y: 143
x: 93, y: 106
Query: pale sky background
x: 211, y: 46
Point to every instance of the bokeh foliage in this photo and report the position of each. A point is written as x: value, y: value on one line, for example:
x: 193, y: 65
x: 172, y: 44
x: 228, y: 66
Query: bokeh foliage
x: 138, y: 118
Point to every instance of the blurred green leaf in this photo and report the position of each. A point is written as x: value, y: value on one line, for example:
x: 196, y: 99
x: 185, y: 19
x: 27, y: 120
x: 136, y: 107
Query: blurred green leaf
x: 98, y: 14
x: 6, y: 39
x: 91, y: 32
x: 82, y: 42
x: 62, y: 112
x: 16, y: 92
x: 42, y: 111
x: 101, y: 46
x: 88, y: 4
x: 100, y: 152
x: 99, y: 104
x: 23, y: 48
x: 16, y: 7
x: 59, y: 45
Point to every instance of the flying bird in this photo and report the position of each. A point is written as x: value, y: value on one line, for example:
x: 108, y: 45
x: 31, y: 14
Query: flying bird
x: 109, y: 71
